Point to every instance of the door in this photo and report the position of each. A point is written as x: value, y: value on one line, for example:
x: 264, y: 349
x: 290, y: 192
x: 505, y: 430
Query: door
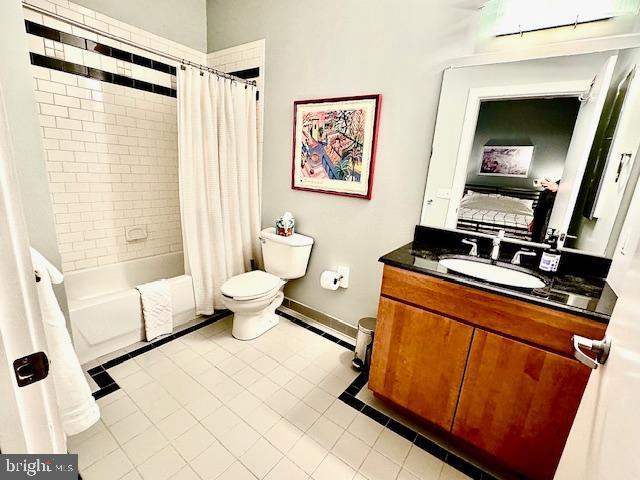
x: 628, y: 242
x: 517, y: 403
x: 418, y: 360
x: 581, y: 141
x: 603, y: 443
x: 29, y: 420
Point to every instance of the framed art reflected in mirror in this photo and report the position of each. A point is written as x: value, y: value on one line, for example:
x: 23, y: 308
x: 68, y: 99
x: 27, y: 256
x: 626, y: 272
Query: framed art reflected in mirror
x: 506, y: 161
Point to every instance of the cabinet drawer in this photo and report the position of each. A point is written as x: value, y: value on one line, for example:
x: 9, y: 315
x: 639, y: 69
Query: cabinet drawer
x: 418, y: 360
x: 518, y: 403
x: 546, y: 327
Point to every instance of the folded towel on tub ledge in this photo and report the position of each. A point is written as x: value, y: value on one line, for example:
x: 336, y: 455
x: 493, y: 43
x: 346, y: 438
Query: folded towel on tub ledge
x: 77, y: 407
x: 157, y: 311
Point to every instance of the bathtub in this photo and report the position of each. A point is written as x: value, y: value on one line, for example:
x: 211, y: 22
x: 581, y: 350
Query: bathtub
x: 104, y: 306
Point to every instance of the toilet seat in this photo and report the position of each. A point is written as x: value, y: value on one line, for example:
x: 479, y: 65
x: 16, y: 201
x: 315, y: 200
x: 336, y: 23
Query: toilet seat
x: 251, y: 285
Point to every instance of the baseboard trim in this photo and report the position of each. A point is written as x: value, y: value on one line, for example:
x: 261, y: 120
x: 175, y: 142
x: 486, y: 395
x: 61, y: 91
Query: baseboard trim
x: 316, y: 327
x: 318, y: 317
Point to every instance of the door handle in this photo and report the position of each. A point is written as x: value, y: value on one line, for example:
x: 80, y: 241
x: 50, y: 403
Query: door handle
x: 600, y: 347
x: 31, y: 369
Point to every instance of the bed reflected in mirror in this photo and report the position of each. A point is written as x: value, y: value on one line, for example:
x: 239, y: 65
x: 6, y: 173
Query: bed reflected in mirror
x: 516, y: 163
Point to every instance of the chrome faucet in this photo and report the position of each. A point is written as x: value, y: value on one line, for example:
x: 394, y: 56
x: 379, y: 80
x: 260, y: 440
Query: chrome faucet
x: 497, y: 240
x: 474, y: 246
x: 520, y: 253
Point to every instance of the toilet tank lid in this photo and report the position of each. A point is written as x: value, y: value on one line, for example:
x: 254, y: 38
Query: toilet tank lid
x: 295, y: 240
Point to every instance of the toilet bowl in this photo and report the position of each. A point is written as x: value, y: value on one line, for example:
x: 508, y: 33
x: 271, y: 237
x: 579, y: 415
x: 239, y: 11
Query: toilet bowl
x: 253, y: 297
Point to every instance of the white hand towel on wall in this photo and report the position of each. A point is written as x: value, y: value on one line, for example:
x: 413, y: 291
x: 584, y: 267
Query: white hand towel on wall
x: 219, y: 178
x: 156, y: 308
x: 78, y: 409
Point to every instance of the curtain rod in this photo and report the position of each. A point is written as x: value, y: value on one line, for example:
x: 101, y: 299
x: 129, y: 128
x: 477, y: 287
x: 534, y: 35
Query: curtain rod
x: 102, y: 33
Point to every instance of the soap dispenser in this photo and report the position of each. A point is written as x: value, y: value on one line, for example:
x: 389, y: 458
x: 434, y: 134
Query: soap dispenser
x: 550, y: 259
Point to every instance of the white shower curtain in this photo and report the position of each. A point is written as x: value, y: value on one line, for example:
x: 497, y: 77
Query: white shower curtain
x: 219, y: 177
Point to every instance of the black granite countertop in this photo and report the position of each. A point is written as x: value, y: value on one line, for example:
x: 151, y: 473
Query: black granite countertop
x: 579, y: 287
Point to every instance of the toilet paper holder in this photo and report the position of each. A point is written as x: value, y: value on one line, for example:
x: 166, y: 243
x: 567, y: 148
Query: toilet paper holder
x: 341, y: 277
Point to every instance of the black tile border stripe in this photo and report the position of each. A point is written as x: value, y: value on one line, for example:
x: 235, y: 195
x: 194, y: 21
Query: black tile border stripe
x: 79, y: 42
x: 315, y: 330
x: 348, y: 397
x: 108, y: 385
x: 247, y: 74
x: 101, y: 75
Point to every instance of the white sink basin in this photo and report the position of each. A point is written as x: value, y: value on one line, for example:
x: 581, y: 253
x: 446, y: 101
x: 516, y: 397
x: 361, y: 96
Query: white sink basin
x: 492, y: 273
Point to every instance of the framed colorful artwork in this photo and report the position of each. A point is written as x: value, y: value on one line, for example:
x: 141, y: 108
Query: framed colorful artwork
x: 506, y: 161
x: 334, y: 145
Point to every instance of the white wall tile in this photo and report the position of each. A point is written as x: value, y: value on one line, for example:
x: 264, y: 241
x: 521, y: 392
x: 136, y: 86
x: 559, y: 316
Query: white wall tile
x: 111, y: 150
x: 102, y: 164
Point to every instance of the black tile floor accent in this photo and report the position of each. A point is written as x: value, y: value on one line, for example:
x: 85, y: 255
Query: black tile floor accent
x: 315, y: 330
x: 79, y: 42
x: 348, y: 396
x: 108, y: 385
x: 402, y: 430
x: 103, y: 379
x: 101, y: 75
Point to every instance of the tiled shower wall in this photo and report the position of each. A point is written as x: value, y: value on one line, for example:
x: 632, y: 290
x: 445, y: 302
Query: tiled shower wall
x: 111, y: 149
x: 113, y: 163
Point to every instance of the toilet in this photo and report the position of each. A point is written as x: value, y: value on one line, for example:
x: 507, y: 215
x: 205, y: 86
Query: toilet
x: 253, y: 297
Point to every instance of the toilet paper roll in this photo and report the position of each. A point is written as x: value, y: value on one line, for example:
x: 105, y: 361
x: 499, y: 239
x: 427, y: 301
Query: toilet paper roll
x: 330, y: 280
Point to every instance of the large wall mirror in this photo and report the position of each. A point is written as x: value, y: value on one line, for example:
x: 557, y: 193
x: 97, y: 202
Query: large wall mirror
x: 538, y: 146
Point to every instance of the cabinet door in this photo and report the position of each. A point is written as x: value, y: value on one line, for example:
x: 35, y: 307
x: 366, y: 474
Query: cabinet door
x: 418, y: 360
x: 518, y: 403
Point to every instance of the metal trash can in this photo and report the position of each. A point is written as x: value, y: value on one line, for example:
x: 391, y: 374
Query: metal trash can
x: 364, y: 343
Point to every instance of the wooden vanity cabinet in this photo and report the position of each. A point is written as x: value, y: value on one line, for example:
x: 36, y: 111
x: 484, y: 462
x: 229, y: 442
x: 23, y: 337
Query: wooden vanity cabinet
x: 494, y: 372
x: 518, y: 403
x: 419, y: 360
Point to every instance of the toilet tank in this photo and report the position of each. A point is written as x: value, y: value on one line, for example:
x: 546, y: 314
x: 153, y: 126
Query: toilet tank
x: 285, y: 257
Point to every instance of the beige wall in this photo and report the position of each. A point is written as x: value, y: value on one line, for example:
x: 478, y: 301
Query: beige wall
x: 338, y: 49
x: 183, y: 22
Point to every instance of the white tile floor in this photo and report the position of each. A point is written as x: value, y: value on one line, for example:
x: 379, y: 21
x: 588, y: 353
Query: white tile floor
x: 207, y: 406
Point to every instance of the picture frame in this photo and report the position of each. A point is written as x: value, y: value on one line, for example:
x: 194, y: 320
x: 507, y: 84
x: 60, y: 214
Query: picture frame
x: 334, y: 145
x: 506, y: 160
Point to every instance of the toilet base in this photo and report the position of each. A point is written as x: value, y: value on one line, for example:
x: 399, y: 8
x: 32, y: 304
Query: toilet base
x: 248, y: 327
